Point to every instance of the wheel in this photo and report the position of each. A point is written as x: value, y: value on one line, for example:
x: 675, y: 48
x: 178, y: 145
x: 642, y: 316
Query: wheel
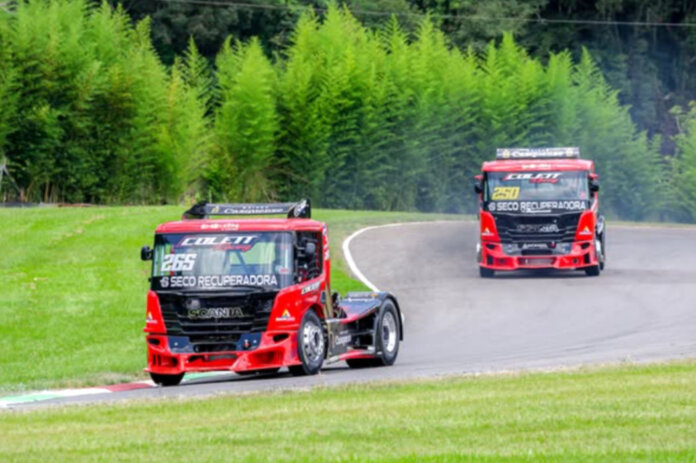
x: 310, y: 346
x: 603, y: 251
x: 486, y: 272
x: 599, y: 250
x: 166, y: 380
x: 388, y: 334
x: 592, y: 271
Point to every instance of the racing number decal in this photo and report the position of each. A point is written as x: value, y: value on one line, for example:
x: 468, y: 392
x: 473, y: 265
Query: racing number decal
x: 505, y: 193
x: 178, y: 262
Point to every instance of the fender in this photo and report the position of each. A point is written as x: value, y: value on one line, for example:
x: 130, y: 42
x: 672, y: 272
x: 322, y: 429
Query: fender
x: 358, y: 305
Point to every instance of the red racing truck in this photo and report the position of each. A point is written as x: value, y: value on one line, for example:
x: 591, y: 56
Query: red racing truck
x: 538, y: 208
x: 253, y: 295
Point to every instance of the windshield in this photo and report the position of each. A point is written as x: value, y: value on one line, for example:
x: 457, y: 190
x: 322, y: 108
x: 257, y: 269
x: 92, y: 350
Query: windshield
x: 536, y: 186
x: 223, y: 261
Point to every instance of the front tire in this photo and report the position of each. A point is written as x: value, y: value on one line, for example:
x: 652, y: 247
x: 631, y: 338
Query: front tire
x: 166, y: 380
x: 595, y: 270
x: 486, y: 272
x: 310, y: 346
x: 602, y: 242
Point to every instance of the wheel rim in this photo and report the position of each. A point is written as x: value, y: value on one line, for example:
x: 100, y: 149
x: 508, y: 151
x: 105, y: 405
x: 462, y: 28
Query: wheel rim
x: 312, y: 342
x: 388, y: 332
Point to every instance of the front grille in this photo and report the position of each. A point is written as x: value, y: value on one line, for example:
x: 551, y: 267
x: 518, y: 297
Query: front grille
x: 524, y: 228
x: 251, y: 312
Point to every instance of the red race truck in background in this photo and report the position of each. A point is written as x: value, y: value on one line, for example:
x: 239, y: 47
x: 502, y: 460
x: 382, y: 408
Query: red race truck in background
x: 538, y: 208
x: 254, y: 295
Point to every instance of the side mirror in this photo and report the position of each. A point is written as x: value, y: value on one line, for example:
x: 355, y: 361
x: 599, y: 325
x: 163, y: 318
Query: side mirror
x: 594, y: 184
x: 478, y: 184
x: 145, y: 253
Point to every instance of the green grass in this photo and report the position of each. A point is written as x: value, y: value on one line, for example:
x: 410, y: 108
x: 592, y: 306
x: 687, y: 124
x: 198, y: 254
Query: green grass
x: 620, y: 414
x: 72, y: 297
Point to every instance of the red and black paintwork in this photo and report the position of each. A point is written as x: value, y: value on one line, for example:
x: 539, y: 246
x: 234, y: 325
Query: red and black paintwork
x: 580, y: 238
x: 350, y: 325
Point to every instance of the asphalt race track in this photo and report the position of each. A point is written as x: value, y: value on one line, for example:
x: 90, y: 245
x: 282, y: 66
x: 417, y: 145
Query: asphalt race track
x: 641, y: 308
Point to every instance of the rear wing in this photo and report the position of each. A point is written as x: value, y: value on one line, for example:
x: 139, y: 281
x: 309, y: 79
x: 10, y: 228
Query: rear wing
x: 299, y: 210
x: 570, y: 152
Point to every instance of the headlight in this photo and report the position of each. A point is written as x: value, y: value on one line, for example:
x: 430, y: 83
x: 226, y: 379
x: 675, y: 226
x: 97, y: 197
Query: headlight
x: 564, y: 248
x: 510, y: 248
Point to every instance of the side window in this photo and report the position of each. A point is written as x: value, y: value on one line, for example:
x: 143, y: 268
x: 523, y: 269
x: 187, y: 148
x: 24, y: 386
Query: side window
x: 309, y: 252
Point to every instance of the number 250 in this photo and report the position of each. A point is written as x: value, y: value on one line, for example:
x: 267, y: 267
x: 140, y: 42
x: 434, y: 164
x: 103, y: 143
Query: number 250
x: 505, y: 193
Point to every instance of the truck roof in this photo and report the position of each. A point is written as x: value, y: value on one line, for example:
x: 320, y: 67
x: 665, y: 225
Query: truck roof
x: 231, y: 225
x: 518, y: 165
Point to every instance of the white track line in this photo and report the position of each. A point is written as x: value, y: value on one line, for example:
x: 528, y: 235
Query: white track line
x: 349, y: 257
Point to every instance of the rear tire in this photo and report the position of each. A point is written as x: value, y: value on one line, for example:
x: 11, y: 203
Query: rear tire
x: 592, y: 271
x: 486, y: 272
x: 388, y: 334
x: 311, y: 346
x: 166, y: 380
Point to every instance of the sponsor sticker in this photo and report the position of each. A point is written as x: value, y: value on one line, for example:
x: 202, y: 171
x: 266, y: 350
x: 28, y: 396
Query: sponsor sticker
x: 285, y: 317
x: 225, y: 242
x: 536, y: 246
x: 537, y: 228
x: 215, y: 312
x: 218, y: 281
x: 531, y: 207
x: 539, y: 177
x: 310, y: 288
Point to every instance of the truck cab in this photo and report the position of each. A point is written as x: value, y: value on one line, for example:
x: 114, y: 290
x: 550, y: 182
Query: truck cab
x: 252, y: 295
x: 538, y: 208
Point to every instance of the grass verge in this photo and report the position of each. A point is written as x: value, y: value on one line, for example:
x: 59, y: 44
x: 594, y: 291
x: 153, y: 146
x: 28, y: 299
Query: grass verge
x: 73, y: 289
x: 626, y: 413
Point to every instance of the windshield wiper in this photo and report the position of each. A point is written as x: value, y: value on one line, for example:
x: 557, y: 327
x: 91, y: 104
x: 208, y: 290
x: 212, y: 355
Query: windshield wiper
x: 254, y: 287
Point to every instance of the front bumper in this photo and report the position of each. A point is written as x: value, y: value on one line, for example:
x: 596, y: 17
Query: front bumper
x: 582, y: 254
x: 276, y: 350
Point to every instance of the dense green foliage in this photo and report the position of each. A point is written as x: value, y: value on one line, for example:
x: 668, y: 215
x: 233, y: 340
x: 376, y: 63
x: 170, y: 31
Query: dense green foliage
x: 684, y: 200
x: 353, y: 117
x: 94, y: 115
x: 651, y: 64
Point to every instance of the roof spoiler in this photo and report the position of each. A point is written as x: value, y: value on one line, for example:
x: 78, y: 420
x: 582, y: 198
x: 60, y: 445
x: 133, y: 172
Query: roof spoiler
x: 299, y: 210
x: 570, y: 152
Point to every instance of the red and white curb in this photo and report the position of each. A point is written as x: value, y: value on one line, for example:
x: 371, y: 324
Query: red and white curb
x: 41, y: 396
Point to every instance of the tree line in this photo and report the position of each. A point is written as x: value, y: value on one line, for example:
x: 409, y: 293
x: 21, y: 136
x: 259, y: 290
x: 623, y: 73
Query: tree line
x: 643, y: 47
x: 350, y: 115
